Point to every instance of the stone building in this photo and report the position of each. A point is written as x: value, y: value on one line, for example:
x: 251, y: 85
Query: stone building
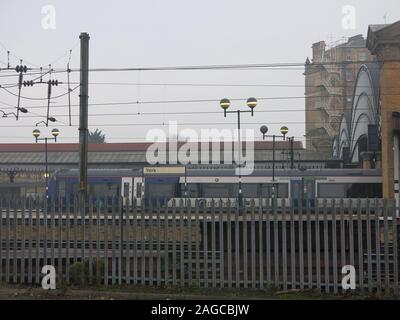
x: 369, y: 134
x: 329, y: 86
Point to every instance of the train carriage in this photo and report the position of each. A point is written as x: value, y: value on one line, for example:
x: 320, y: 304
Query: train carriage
x: 162, y: 185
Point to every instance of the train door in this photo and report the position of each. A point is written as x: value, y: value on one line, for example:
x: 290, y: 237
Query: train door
x: 302, y: 191
x: 126, y: 190
x: 296, y: 191
x: 138, y: 190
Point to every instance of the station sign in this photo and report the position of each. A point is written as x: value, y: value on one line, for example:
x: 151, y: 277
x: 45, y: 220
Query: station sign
x: 163, y: 170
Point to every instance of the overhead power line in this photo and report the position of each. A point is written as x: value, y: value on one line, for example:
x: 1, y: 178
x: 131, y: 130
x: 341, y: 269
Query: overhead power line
x: 231, y: 66
x: 112, y: 103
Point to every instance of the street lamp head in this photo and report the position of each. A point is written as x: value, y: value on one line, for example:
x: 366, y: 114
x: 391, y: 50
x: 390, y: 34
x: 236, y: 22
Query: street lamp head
x: 36, y: 133
x: 225, y: 104
x: 55, y: 132
x: 251, y: 103
x: 52, y: 119
x: 264, y: 130
x: 284, y: 130
x: 23, y: 110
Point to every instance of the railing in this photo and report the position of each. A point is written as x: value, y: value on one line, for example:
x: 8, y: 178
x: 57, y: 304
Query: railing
x: 272, y: 245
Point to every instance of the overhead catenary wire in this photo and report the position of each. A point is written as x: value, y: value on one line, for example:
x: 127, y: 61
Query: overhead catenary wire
x: 110, y: 103
x: 166, y: 123
x: 282, y: 65
x: 32, y: 98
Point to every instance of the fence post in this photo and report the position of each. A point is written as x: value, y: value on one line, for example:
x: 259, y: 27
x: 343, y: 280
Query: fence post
x: 166, y: 247
x: 334, y: 248
x: 369, y: 247
x: 301, y: 243
x: 15, y: 244
x: 29, y: 242
x: 60, y: 237
x: 245, y: 258
x: 260, y: 244
x: 351, y: 232
x: 237, y: 249
x: 229, y: 241
x: 106, y: 238
x: 378, y: 250
x: 151, y: 257
x: 342, y: 237
x: 221, y: 246
x: 158, y: 258
x: 292, y: 245
x: 253, y: 245
x: 37, y: 260
x: 135, y: 240
x: 309, y: 245
x: 98, y: 227
x: 360, y: 245
x: 395, y: 252
x: 205, y: 248
x: 182, y: 246
x: 90, y: 239
x: 317, y: 245
x: 8, y: 241
x: 52, y: 230
x: 268, y: 241
x: 284, y: 246
x: 23, y: 231
x: 326, y: 248
x: 386, y: 245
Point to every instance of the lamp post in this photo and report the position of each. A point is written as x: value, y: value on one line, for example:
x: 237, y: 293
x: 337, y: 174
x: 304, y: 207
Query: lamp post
x: 225, y: 104
x: 284, y: 130
x: 36, y: 134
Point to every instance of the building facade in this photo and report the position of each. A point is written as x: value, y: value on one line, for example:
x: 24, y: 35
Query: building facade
x: 329, y: 87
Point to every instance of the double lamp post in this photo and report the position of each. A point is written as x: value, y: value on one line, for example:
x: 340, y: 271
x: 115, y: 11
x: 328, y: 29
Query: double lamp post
x: 36, y: 134
x: 252, y: 103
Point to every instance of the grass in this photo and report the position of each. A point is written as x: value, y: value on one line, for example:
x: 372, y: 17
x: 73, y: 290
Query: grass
x: 174, y: 293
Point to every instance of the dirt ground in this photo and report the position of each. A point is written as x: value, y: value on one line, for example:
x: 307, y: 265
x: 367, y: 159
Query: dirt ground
x: 18, y: 292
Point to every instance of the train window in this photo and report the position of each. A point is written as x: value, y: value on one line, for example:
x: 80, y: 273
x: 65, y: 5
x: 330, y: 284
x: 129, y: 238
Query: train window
x: 223, y: 190
x: 364, y: 190
x: 350, y: 190
x: 250, y: 190
x: 161, y: 191
x: 282, y: 190
x: 126, y: 189
x: 139, y: 190
x: 192, y: 190
x: 332, y: 190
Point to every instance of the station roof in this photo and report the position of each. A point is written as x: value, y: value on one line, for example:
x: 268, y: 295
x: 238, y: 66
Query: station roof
x: 122, y: 147
x: 31, y: 156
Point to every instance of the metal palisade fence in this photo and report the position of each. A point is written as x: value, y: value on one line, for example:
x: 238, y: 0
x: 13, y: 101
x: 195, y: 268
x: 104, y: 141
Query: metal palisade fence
x: 267, y: 244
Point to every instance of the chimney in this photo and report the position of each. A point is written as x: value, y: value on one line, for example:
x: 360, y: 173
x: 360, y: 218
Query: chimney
x: 318, y: 51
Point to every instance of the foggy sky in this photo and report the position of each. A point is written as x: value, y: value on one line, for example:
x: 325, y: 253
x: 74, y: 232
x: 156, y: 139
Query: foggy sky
x: 173, y: 33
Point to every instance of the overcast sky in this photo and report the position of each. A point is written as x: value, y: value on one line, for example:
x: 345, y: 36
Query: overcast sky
x: 154, y: 33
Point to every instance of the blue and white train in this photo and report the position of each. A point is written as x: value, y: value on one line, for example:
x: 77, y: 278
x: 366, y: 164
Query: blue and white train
x: 163, y: 184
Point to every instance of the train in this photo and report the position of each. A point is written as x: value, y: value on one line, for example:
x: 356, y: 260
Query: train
x: 163, y: 185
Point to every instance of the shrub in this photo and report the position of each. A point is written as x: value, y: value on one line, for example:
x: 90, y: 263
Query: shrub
x: 79, y: 272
